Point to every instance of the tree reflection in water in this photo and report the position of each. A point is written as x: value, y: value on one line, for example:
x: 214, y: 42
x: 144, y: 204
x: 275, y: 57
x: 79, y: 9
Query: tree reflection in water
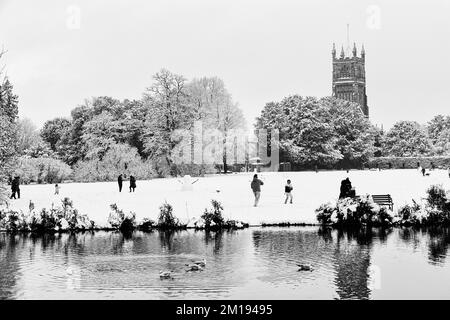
x: 9, y: 265
x: 216, y: 238
x: 342, y: 260
x: 352, y: 256
x: 439, y: 240
x: 326, y: 234
x: 352, y: 262
x: 410, y: 236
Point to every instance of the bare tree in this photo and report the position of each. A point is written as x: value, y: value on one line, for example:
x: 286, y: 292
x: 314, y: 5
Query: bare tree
x: 168, y: 111
x: 214, y: 106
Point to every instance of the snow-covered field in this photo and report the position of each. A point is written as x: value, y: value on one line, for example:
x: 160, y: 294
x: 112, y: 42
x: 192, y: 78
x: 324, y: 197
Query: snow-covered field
x: 310, y: 190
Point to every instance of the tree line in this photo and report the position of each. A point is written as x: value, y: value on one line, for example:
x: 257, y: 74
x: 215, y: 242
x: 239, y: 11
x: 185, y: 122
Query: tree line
x: 104, y: 136
x: 334, y: 133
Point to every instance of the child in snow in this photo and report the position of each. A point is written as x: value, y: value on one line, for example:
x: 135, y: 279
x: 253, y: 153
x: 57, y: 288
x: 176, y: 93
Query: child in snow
x: 287, y: 191
x: 57, y: 187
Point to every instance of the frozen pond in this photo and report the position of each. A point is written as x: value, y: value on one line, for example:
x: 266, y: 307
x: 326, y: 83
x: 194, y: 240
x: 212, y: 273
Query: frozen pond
x: 310, y: 191
x: 255, y: 263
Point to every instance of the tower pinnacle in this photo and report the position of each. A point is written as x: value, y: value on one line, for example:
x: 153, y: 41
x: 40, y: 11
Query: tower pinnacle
x: 347, y: 50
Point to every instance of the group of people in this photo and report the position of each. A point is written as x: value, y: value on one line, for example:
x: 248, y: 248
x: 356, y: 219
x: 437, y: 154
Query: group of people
x: 132, y: 182
x: 256, y: 188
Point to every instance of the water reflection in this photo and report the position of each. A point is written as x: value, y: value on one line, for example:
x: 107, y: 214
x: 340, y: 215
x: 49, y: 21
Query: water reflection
x: 251, y: 263
x: 9, y: 265
x: 352, y: 261
x: 353, y: 264
x: 216, y: 238
x: 439, y: 241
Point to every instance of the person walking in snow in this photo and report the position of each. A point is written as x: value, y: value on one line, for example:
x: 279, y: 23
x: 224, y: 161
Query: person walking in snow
x: 256, y: 187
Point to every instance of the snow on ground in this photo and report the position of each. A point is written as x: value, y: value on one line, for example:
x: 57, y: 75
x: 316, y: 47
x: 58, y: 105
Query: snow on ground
x: 311, y: 189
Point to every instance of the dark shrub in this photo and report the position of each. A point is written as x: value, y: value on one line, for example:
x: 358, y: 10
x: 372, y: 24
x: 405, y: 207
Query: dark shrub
x: 166, y: 219
x: 407, y: 215
x: 48, y: 222
x: 437, y: 197
x: 118, y: 220
x: 324, y: 213
x: 383, y: 218
x: 129, y: 223
x: 147, y: 225
x: 213, y: 217
x: 364, y: 214
x: 12, y: 221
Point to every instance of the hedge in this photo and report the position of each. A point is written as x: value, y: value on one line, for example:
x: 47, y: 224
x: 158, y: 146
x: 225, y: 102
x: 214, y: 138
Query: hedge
x: 409, y: 162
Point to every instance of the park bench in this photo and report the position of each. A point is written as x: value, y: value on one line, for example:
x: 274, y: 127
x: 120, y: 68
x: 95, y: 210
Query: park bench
x: 381, y: 200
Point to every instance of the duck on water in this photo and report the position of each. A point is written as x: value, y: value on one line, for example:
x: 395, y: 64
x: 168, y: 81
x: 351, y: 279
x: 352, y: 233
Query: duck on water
x: 304, y: 267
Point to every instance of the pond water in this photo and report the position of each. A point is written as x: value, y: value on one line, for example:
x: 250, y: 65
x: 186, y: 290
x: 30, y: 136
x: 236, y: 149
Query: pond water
x: 255, y: 263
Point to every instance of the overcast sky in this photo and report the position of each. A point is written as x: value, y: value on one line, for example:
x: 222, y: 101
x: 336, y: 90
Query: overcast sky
x: 62, y: 52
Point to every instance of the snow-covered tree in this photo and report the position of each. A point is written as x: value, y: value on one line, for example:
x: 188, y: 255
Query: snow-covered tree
x: 319, y: 131
x: 407, y: 139
x: 211, y: 103
x: 442, y: 143
x: 8, y: 128
x: 354, y: 134
x: 436, y: 126
x: 168, y: 111
x: 53, y: 130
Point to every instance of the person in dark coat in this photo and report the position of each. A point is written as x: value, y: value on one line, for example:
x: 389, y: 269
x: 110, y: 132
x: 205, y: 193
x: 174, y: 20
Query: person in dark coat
x: 132, y: 183
x: 423, y: 171
x: 256, y: 187
x: 342, y: 190
x: 346, y: 189
x: 15, y: 188
x: 120, y: 182
x: 18, y: 187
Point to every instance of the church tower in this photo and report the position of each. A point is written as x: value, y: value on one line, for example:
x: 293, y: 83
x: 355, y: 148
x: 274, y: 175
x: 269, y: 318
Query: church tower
x: 349, y: 76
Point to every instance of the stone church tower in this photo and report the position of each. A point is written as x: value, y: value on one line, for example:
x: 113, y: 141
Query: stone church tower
x: 349, y: 77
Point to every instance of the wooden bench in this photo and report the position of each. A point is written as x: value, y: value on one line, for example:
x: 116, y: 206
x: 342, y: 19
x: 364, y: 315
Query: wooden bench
x: 381, y: 200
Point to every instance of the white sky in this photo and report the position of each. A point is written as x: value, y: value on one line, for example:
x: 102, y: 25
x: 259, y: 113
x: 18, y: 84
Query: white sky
x: 263, y: 50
